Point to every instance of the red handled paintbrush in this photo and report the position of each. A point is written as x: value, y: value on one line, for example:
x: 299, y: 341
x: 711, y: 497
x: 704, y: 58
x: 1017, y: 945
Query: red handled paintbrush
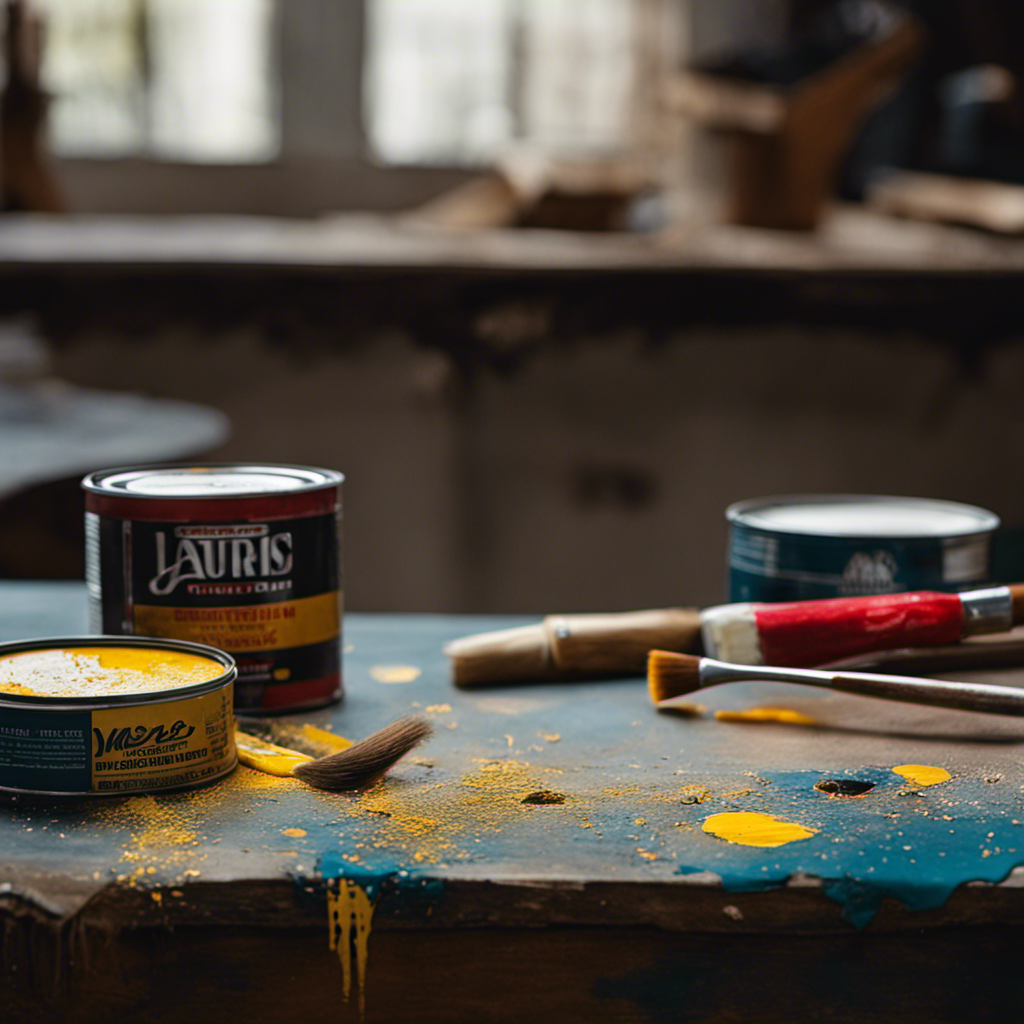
x: 806, y: 633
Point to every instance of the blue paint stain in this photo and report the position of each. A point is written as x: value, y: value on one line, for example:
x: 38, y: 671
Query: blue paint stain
x: 415, y: 892
x: 914, y: 846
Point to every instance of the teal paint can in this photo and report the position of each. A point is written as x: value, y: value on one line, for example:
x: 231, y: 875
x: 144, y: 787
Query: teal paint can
x: 807, y: 547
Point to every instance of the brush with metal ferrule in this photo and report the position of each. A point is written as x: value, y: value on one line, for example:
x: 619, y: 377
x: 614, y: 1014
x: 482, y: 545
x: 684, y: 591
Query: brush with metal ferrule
x: 805, y: 633
x: 674, y: 675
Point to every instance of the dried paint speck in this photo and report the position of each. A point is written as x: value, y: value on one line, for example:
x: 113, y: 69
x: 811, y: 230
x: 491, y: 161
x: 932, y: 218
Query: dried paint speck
x: 395, y: 673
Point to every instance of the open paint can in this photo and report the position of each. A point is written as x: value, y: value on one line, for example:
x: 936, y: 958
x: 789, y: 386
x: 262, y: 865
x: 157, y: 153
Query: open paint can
x: 244, y: 557
x: 805, y: 547
x: 114, y: 715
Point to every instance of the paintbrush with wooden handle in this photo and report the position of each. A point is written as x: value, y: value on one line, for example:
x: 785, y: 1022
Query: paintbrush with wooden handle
x: 796, y: 633
x: 672, y: 675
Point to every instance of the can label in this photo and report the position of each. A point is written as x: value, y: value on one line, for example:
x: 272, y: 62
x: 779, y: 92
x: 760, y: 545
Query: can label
x: 124, y: 749
x: 267, y: 592
x: 779, y: 567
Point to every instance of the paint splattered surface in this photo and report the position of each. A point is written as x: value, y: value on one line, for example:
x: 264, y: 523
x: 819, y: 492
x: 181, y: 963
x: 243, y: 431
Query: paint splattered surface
x: 570, y: 783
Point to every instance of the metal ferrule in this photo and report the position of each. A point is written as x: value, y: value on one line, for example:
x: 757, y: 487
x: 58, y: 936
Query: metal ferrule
x: 987, y: 611
x: 713, y: 671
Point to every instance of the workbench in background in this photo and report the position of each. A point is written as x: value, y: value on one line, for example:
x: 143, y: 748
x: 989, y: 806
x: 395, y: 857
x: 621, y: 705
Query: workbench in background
x: 542, y: 857
x: 549, y: 420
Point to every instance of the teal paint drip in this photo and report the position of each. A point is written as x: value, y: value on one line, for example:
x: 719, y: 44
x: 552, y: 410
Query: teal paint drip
x: 412, y: 889
x: 893, y: 842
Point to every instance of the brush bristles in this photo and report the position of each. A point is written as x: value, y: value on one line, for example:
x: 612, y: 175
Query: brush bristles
x: 671, y: 675
x: 366, y: 761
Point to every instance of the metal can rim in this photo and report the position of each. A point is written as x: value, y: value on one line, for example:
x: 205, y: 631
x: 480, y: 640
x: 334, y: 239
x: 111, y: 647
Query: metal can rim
x: 100, y: 702
x: 738, y: 513
x: 96, y: 482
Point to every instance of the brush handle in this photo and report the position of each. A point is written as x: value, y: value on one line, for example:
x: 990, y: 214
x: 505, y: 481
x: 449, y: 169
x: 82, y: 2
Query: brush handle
x: 572, y: 646
x: 618, y: 642
x: 963, y: 696
x: 997, y: 700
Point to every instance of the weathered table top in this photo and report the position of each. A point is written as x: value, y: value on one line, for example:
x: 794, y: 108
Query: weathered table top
x: 548, y: 837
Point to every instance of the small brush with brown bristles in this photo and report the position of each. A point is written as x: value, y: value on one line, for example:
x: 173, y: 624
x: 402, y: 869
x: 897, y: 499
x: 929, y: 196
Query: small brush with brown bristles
x: 350, y: 766
x: 365, y: 762
x: 674, y: 675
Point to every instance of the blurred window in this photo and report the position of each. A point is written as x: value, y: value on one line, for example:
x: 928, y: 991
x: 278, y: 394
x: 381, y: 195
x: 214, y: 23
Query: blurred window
x: 179, y: 79
x: 452, y: 81
x: 443, y: 81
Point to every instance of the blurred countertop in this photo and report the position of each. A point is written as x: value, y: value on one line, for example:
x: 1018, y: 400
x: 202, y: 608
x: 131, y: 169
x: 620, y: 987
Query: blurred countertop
x: 850, y: 240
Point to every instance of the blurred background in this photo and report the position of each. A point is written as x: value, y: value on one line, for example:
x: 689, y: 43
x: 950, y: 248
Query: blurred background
x: 551, y: 281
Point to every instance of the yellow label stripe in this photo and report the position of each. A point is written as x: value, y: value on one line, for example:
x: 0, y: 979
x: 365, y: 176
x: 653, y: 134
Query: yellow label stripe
x: 247, y: 628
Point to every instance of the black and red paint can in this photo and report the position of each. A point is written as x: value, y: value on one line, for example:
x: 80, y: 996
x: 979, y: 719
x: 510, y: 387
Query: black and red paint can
x: 243, y: 557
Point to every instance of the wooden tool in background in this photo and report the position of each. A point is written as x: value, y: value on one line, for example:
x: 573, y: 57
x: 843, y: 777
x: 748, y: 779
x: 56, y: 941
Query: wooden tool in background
x: 788, y: 141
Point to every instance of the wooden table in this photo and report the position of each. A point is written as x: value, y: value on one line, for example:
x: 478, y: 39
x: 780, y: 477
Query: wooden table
x: 542, y: 857
x: 493, y: 297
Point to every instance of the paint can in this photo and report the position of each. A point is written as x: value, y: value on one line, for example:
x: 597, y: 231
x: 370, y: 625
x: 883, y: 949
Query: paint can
x: 242, y: 557
x: 114, y: 715
x: 804, y: 547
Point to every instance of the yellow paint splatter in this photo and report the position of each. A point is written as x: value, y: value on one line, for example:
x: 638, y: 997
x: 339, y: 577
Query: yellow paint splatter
x: 922, y: 774
x: 295, y: 833
x: 751, y: 828
x: 550, y: 737
x: 438, y: 709
x: 784, y: 716
x: 395, y: 673
x: 349, y: 915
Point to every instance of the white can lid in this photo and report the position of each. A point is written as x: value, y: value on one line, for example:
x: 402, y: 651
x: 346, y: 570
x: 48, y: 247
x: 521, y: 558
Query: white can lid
x: 862, y: 515
x: 209, y: 481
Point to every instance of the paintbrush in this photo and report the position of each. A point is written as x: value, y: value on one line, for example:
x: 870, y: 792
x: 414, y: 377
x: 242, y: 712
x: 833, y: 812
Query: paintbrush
x: 797, y: 633
x: 350, y: 766
x: 673, y: 675
x: 801, y: 634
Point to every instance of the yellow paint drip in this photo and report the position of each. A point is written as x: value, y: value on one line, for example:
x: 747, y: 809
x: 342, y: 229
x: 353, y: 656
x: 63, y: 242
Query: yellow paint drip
x: 922, y: 774
x: 349, y: 915
x: 751, y: 828
x: 267, y: 757
x: 784, y: 716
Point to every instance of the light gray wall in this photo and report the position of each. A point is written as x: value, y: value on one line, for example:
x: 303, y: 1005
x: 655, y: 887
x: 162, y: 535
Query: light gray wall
x: 477, y: 508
